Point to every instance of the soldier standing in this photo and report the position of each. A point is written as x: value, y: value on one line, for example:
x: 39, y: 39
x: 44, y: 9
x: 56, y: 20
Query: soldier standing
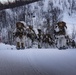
x: 19, y: 34
x: 73, y: 44
x: 39, y: 38
x: 30, y: 36
x: 60, y: 33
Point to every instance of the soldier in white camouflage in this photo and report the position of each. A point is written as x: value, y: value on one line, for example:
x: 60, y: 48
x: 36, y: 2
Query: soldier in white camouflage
x: 20, y: 35
x: 31, y: 36
x: 60, y: 34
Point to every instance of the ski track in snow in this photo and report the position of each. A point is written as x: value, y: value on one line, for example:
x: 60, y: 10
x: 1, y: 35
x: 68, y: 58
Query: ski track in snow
x: 16, y: 63
x: 37, y: 61
x: 54, y: 62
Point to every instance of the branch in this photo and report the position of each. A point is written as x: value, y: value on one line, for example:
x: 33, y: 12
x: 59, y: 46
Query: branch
x: 16, y: 3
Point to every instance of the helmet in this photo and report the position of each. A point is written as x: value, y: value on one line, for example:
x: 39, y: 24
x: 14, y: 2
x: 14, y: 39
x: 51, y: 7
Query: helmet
x: 62, y: 23
x: 23, y: 23
x: 19, y: 24
x: 30, y: 27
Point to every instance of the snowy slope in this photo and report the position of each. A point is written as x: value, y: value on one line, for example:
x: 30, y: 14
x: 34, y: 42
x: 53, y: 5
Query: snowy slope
x: 37, y: 61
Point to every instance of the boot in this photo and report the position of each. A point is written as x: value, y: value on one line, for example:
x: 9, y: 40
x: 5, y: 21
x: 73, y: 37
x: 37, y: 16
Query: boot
x: 18, y: 45
x: 22, y: 46
x: 60, y: 48
x: 39, y: 46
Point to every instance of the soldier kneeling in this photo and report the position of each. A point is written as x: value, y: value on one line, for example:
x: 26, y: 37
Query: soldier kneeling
x: 19, y: 34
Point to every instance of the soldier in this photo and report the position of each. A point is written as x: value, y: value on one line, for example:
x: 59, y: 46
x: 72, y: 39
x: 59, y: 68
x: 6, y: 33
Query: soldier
x: 51, y: 41
x: 60, y: 33
x: 31, y: 35
x: 73, y: 44
x: 39, y: 38
x: 19, y: 34
x: 47, y: 40
x: 67, y: 41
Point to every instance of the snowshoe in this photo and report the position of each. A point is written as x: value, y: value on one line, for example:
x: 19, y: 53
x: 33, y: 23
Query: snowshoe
x: 23, y: 48
x: 60, y: 48
x: 18, y: 48
x: 64, y: 47
x: 29, y: 47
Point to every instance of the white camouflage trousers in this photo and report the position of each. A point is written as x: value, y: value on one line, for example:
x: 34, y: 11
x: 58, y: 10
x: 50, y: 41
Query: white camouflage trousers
x: 61, y: 41
x: 21, y: 40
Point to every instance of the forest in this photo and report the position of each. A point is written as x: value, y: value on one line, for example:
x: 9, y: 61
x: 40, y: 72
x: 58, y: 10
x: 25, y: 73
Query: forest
x: 39, y: 14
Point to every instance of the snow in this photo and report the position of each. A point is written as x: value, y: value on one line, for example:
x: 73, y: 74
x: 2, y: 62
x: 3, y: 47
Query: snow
x: 70, y: 22
x: 8, y: 11
x: 6, y: 47
x: 46, y: 5
x: 6, y: 1
x: 37, y: 61
x: 55, y: 62
x: 3, y: 32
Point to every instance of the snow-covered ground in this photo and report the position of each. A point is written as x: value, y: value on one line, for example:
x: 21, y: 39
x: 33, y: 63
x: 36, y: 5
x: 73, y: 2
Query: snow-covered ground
x: 37, y: 61
x: 6, y: 47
